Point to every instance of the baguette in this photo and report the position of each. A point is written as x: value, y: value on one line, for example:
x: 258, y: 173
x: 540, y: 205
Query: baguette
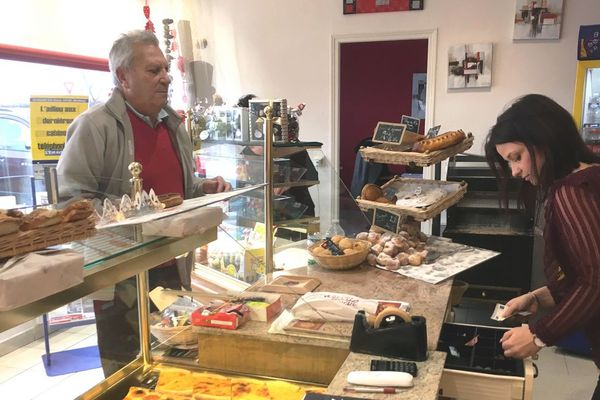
x: 440, y: 142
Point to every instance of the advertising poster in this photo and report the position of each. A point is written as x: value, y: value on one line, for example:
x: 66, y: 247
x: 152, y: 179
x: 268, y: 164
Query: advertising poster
x: 50, y: 118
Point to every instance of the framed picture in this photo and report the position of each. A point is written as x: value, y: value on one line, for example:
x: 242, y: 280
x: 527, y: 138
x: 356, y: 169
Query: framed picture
x: 537, y: 20
x: 470, y: 66
x: 373, y: 6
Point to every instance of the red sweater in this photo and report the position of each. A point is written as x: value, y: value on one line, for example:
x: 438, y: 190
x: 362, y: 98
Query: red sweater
x: 572, y: 259
x: 153, y: 148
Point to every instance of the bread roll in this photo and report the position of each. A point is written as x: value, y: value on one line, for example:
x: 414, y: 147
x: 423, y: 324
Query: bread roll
x: 440, y: 142
x: 371, y: 192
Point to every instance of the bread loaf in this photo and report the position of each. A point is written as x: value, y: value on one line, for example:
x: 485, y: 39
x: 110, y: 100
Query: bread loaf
x: 8, y: 224
x: 40, y: 218
x: 440, y: 142
x: 170, y: 199
x: 371, y: 192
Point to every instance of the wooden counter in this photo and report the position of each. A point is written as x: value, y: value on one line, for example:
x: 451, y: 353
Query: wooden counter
x: 252, y: 350
x: 426, y: 383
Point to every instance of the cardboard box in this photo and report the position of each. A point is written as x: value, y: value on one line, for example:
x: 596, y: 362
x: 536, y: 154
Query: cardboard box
x: 261, y: 312
x: 227, y: 316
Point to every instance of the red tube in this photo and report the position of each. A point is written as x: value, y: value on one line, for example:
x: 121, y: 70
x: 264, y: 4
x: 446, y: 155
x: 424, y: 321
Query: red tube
x: 27, y: 54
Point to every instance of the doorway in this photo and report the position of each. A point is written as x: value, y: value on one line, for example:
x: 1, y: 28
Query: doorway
x: 372, y: 81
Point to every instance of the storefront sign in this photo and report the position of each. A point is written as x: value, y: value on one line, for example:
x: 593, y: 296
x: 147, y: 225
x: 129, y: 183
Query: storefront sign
x: 50, y: 118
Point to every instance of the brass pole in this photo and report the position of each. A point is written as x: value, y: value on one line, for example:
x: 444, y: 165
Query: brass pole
x: 142, y: 278
x: 268, y: 190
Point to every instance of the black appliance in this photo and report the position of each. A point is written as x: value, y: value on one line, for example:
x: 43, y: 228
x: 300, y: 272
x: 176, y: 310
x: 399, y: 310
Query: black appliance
x: 479, y: 220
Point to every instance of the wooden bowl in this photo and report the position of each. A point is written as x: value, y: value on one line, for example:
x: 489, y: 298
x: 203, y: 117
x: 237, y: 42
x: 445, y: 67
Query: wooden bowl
x: 342, y: 262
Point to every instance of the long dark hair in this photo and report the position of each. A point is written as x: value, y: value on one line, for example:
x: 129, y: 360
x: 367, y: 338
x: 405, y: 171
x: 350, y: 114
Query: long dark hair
x: 538, y: 122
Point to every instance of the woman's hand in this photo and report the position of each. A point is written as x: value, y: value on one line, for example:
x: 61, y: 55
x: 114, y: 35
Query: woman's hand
x: 525, y: 302
x: 518, y: 343
x: 215, y: 185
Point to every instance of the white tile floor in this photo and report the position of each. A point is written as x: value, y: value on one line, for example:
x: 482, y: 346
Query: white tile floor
x: 22, y: 377
x: 22, y: 374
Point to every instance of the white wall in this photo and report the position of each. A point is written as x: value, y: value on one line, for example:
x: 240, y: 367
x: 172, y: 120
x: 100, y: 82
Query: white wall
x: 282, y: 48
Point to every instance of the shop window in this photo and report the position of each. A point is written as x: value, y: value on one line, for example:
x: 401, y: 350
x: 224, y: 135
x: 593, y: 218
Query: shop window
x: 31, y: 72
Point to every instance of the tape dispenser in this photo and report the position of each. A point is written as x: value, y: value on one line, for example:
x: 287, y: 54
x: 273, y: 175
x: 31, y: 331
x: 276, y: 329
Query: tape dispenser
x: 392, y: 333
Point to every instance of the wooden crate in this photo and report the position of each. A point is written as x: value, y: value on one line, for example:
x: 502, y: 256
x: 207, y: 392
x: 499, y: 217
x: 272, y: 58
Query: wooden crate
x: 466, y: 385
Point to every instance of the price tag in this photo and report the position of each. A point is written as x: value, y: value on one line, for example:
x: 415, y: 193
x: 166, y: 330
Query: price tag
x: 412, y: 124
x: 432, y: 132
x: 389, y: 132
x: 387, y: 220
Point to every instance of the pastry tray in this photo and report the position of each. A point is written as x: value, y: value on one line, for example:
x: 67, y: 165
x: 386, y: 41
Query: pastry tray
x: 383, y: 156
x: 454, y: 191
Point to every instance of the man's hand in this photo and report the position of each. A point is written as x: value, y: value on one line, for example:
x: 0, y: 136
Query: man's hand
x: 518, y: 343
x: 215, y: 185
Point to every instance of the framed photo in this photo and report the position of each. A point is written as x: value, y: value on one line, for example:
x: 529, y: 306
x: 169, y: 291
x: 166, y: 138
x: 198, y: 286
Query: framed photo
x: 373, y: 6
x: 537, y: 20
x: 470, y: 66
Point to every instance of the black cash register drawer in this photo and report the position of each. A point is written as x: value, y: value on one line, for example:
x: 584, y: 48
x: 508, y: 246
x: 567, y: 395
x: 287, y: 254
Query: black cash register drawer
x: 483, y: 355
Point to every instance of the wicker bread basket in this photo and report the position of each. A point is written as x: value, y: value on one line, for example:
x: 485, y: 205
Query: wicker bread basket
x: 382, y: 156
x: 342, y: 262
x: 174, y: 335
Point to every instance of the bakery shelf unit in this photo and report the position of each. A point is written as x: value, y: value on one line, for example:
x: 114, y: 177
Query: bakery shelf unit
x: 417, y: 199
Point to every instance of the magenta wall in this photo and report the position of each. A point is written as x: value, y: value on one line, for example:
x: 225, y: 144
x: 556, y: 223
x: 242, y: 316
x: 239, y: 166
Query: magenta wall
x: 375, y: 85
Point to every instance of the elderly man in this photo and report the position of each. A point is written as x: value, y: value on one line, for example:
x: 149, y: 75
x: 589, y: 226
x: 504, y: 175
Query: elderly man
x: 135, y: 124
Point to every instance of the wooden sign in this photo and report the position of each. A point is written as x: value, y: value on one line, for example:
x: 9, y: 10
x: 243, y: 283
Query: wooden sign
x: 433, y: 132
x: 389, y: 132
x: 387, y: 220
x: 412, y: 124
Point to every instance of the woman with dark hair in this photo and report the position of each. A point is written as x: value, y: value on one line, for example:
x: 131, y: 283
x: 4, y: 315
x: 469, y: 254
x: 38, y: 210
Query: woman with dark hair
x: 537, y: 140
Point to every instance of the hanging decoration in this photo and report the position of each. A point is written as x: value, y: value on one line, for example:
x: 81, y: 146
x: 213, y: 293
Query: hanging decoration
x: 149, y: 25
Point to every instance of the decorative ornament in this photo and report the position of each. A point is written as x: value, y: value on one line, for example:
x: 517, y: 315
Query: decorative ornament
x: 149, y: 25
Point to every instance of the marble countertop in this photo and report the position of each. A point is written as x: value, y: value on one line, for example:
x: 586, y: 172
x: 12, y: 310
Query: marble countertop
x: 427, y: 300
x: 426, y: 383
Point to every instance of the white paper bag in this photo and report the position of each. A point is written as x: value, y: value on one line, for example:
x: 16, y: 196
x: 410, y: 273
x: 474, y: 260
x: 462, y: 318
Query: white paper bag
x: 186, y: 223
x: 25, y: 279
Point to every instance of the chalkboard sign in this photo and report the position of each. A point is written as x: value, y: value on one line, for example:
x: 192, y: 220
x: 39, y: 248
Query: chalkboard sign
x: 432, y: 132
x: 389, y: 132
x: 412, y: 124
x: 387, y: 220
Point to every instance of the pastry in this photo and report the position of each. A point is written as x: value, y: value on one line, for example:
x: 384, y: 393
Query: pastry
x: 40, y: 218
x: 77, y: 211
x: 139, y: 393
x: 371, y: 192
x: 440, y: 142
x: 170, y: 199
x: 8, y: 224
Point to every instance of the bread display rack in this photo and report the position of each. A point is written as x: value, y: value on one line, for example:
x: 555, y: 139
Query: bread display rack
x: 418, y: 199
x: 454, y: 192
x: 383, y: 155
